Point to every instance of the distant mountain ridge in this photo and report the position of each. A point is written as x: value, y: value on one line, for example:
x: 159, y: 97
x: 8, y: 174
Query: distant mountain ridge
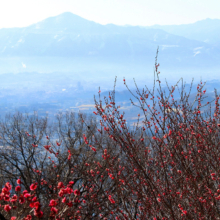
x: 67, y: 22
x: 207, y: 30
x: 69, y: 35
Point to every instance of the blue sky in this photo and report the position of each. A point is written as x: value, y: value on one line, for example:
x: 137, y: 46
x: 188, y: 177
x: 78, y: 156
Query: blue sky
x: 20, y: 13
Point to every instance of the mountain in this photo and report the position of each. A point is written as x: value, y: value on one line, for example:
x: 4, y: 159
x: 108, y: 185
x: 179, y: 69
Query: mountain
x: 207, y: 31
x: 69, y: 43
x: 70, y: 35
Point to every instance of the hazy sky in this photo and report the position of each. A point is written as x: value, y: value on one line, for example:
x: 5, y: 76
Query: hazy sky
x: 20, y: 13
